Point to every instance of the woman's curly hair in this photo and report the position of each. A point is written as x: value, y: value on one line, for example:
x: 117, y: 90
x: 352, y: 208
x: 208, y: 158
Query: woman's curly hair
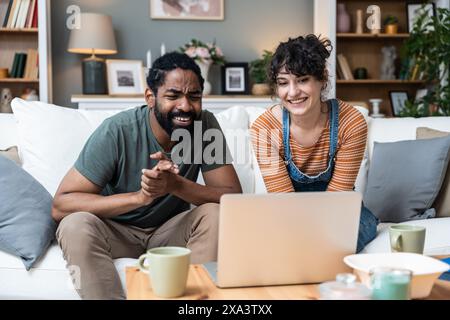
x: 301, y: 56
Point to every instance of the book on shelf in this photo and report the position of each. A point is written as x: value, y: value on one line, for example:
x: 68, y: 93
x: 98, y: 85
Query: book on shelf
x: 339, y: 73
x: 34, y: 20
x: 5, y: 6
x: 18, y: 14
x: 13, y: 14
x: 30, y: 13
x: 31, y: 65
x: 18, y: 68
x: 345, y: 67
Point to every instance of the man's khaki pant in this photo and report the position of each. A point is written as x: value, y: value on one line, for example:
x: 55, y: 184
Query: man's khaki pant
x: 90, y: 244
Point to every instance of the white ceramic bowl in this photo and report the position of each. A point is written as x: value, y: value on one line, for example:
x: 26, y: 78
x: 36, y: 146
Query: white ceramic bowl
x: 425, y: 269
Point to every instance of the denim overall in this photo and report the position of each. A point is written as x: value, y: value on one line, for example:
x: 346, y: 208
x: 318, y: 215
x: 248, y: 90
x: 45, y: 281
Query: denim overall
x: 304, y: 183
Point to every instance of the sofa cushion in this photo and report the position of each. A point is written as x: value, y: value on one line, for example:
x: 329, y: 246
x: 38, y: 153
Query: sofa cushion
x: 49, y: 272
x: 437, y: 238
x: 442, y: 202
x: 51, y: 137
x: 405, y: 178
x: 234, y: 124
x: 26, y: 227
x: 12, y: 154
x: 8, y: 130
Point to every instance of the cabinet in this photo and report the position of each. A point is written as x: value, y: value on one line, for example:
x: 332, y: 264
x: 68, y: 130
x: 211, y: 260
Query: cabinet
x: 364, y: 50
x: 215, y: 104
x: 20, y: 40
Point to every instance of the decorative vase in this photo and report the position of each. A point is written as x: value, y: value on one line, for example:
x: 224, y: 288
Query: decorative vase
x: 343, y: 18
x: 204, y: 69
x: 261, y: 89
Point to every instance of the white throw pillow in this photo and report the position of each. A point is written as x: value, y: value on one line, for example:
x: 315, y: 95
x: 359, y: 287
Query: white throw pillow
x: 234, y: 124
x: 51, y: 138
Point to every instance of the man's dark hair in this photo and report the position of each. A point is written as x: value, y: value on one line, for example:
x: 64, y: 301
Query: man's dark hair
x: 169, y: 62
x: 301, y: 56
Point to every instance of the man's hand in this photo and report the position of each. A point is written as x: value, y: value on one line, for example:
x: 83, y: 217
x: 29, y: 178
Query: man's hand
x: 158, y: 181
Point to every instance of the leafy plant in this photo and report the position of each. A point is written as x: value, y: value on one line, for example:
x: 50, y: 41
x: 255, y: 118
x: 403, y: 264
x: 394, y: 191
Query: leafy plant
x: 258, y: 67
x: 390, y: 19
x: 428, y: 52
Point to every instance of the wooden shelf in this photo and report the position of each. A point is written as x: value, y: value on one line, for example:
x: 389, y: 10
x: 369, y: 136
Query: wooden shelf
x: 379, y: 81
x: 25, y: 30
x: 372, y: 36
x: 19, y: 80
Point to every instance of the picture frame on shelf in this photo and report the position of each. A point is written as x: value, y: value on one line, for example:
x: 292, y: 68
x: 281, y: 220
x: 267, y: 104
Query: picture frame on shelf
x: 413, y: 10
x: 235, y: 78
x: 398, y: 100
x: 125, y: 77
x: 187, y: 9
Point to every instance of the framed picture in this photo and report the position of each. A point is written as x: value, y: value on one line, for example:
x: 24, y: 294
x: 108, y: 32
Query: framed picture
x: 414, y: 9
x: 398, y: 99
x: 187, y: 9
x: 235, y: 78
x: 125, y: 77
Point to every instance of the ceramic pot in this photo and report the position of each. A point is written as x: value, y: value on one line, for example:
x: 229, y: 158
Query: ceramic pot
x: 391, y: 28
x: 261, y: 89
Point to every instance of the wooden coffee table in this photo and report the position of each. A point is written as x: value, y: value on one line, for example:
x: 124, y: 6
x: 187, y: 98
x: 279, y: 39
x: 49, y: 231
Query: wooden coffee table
x: 201, y: 287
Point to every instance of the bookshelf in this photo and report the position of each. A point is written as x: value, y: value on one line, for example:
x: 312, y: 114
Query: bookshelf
x: 364, y: 50
x: 14, y: 40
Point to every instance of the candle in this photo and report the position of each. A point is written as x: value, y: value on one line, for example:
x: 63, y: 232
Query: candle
x: 149, y: 59
x: 163, y: 49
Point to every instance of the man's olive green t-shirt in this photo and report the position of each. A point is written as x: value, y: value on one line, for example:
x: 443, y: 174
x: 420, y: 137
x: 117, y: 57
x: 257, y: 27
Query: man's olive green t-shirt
x: 118, y: 150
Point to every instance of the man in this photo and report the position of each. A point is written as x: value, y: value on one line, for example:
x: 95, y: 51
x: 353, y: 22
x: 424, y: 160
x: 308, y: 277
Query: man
x: 125, y: 195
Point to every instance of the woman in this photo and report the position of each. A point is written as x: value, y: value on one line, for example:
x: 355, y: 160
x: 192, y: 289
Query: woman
x: 306, y: 143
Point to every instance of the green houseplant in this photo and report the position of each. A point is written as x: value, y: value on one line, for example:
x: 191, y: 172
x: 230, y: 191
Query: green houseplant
x: 426, y: 55
x: 258, y: 74
x: 390, y: 24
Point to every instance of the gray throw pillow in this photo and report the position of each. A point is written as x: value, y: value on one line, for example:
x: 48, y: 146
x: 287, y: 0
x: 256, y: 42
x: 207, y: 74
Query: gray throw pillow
x: 26, y: 225
x: 405, y: 178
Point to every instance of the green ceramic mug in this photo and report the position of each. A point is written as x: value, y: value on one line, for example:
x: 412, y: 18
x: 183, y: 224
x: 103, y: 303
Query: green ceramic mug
x: 168, y: 269
x: 407, y: 238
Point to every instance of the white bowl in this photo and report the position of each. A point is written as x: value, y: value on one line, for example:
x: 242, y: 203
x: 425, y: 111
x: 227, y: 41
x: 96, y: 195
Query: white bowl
x: 425, y: 269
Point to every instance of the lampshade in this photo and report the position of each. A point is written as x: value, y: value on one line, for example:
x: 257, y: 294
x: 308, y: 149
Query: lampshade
x: 95, y: 35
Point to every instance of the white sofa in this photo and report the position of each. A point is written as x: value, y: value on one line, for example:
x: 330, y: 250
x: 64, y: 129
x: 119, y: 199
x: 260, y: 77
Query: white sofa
x: 50, y: 138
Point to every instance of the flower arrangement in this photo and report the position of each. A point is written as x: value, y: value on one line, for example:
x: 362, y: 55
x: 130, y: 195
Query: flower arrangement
x: 204, y: 52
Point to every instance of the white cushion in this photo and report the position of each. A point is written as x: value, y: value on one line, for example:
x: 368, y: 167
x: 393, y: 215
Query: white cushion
x: 234, y: 123
x: 397, y: 129
x: 48, y: 279
x: 8, y: 131
x: 437, y: 238
x: 51, y: 138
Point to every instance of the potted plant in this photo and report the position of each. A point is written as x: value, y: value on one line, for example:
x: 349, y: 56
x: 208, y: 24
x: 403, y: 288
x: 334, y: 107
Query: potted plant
x: 426, y: 57
x: 205, y: 55
x: 258, y: 74
x: 391, y: 24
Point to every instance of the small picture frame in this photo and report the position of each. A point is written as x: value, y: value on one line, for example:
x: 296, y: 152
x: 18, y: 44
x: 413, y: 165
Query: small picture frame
x: 235, y: 78
x: 398, y: 100
x: 413, y: 9
x: 187, y: 9
x: 125, y: 77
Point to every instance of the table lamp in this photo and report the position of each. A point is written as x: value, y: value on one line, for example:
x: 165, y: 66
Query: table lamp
x: 95, y: 36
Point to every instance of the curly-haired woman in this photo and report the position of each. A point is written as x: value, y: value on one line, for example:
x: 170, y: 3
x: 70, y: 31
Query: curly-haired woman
x: 306, y: 143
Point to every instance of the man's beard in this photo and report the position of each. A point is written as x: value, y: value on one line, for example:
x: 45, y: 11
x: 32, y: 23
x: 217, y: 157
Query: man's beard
x: 166, y: 120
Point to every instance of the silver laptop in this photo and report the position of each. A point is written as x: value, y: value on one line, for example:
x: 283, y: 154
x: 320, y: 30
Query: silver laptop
x: 279, y: 239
